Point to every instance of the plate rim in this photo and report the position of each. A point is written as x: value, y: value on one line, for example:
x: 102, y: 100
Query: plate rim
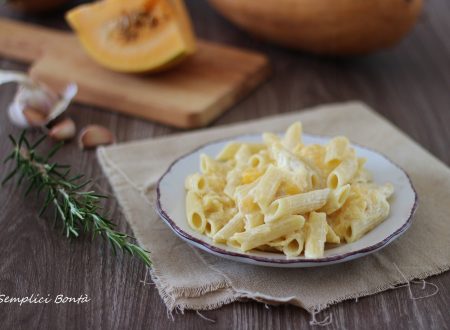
x: 266, y: 260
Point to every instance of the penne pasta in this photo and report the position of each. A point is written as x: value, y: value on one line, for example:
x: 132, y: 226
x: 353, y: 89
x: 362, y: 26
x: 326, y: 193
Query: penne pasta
x: 243, y: 191
x: 293, y: 136
x: 297, y: 204
x: 251, y: 175
x: 229, y: 151
x: 215, y: 183
x: 243, y: 155
x: 233, y: 180
x: 244, y: 200
x: 365, y: 209
x: 293, y: 244
x: 258, y: 195
x: 212, y: 204
x: 387, y: 190
x: 336, y: 199
x: 265, y: 233
x: 194, y: 212
x: 267, y: 187
x: 287, y: 160
x: 235, y: 225
x: 197, y: 183
x: 332, y: 237
x: 376, y: 210
x: 215, y: 222
x: 336, y: 150
x: 259, y: 161
x: 344, y: 172
x: 271, y: 139
x: 253, y: 220
x: 314, y: 153
x: 300, y: 170
x: 316, y: 233
x: 209, y: 165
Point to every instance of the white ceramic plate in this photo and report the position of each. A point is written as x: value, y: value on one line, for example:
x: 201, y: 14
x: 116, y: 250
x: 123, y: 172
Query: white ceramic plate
x: 171, y: 208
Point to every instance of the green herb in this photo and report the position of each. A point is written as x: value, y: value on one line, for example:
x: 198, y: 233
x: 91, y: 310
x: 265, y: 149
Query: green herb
x: 75, y: 208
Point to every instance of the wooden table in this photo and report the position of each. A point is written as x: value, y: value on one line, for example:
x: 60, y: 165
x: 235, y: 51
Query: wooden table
x: 410, y: 85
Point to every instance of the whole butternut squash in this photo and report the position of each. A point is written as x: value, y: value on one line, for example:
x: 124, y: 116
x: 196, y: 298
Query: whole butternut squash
x: 334, y: 27
x: 36, y: 6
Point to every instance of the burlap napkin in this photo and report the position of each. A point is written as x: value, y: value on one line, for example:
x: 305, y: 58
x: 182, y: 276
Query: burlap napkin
x: 188, y: 278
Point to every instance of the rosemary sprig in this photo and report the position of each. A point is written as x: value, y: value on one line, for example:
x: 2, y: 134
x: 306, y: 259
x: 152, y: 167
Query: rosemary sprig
x: 76, y: 208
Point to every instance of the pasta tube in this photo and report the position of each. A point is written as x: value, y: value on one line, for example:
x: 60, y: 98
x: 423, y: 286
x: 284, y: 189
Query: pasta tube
x: 197, y: 183
x: 336, y: 199
x: 345, y: 171
x: 215, y: 183
x: 243, y: 155
x: 316, y: 229
x: 365, y: 209
x: 271, y: 139
x: 194, y: 212
x: 297, y: 204
x: 235, y: 225
x: 293, y: 244
x: 257, y: 195
x: 267, y: 187
x: 244, y: 200
x: 263, y: 234
x: 259, y: 161
x: 209, y: 165
x: 286, y: 160
x: 215, y: 222
x: 253, y: 220
x: 212, y: 203
x: 229, y: 151
x: 233, y: 180
x: 336, y: 150
x: 332, y: 237
x: 315, y: 153
x: 293, y: 136
x: 376, y: 212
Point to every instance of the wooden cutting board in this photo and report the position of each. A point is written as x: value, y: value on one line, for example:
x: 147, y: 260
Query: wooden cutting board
x: 190, y: 95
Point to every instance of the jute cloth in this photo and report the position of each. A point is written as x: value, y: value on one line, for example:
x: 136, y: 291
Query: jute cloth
x: 188, y: 278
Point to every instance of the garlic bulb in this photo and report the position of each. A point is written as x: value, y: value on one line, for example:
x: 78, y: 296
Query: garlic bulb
x: 13, y: 76
x: 15, y: 113
x: 35, y: 104
x: 61, y: 105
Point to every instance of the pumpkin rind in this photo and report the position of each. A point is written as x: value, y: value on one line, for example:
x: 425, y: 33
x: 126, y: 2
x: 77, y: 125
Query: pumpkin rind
x: 336, y: 27
x: 33, y: 6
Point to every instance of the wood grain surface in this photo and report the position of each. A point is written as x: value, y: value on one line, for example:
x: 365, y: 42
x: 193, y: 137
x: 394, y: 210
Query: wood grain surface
x: 188, y: 96
x: 410, y: 85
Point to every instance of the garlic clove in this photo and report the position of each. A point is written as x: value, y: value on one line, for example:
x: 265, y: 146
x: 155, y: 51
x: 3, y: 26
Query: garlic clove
x: 38, y: 97
x: 15, y: 113
x: 61, y: 105
x: 94, y: 135
x: 34, y: 118
x: 64, y: 130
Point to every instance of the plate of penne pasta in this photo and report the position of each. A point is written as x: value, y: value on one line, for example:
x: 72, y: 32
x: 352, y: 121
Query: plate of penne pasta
x: 286, y: 200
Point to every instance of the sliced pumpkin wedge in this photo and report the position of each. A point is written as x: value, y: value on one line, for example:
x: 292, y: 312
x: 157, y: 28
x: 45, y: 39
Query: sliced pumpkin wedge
x: 134, y: 35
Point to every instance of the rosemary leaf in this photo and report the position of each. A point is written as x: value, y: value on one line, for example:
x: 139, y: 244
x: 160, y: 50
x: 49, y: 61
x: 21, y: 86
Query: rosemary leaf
x: 77, y: 209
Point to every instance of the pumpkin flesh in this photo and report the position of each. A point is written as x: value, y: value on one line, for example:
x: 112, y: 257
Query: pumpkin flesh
x: 134, y: 35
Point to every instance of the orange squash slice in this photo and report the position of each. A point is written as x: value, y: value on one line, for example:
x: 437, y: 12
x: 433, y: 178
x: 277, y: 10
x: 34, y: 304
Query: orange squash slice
x: 134, y: 35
